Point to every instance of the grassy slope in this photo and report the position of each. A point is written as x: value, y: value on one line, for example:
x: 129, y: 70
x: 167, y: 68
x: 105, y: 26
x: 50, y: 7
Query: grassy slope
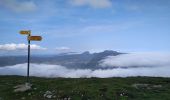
x: 91, y: 88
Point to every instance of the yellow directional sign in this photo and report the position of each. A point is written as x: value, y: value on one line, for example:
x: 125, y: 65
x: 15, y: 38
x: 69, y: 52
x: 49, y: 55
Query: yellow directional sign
x: 30, y: 38
x: 35, y: 38
x: 25, y: 32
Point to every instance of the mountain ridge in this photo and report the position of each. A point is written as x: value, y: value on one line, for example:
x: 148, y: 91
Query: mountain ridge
x: 83, y: 60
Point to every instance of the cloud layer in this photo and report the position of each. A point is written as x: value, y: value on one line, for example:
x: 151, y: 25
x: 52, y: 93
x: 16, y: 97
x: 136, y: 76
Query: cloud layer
x: 137, y: 60
x: 30, y: 5
x: 92, y: 3
x: 19, y: 6
x: 22, y: 46
x: 62, y: 49
x: 44, y: 70
x: 137, y: 64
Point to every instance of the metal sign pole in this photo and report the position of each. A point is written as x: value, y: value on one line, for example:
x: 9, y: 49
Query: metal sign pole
x: 30, y: 38
x: 28, y: 65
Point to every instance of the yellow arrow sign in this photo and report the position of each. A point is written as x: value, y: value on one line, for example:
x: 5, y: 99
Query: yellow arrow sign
x: 35, y: 38
x: 25, y: 32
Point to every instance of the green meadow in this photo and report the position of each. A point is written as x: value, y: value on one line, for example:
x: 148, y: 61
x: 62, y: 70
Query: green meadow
x: 130, y: 88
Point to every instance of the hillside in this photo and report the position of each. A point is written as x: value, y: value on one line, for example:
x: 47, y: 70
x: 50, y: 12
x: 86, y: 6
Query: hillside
x: 83, y: 61
x: 131, y: 88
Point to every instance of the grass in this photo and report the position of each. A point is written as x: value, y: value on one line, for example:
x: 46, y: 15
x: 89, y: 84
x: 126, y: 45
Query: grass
x: 87, y: 88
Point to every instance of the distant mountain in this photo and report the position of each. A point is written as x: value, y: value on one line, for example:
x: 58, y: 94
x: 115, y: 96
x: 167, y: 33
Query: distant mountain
x: 94, y: 62
x: 71, y: 60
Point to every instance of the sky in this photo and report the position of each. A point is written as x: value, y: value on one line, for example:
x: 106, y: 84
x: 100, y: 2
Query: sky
x: 85, y: 25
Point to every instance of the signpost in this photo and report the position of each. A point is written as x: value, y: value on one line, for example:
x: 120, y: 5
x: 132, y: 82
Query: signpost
x: 30, y: 38
x: 35, y: 38
x: 25, y: 32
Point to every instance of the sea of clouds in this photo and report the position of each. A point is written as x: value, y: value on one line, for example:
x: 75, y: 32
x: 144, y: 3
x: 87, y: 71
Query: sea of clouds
x: 138, y: 64
x: 137, y: 60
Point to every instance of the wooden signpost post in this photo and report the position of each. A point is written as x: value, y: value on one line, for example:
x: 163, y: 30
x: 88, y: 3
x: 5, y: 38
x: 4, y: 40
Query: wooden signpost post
x: 30, y: 38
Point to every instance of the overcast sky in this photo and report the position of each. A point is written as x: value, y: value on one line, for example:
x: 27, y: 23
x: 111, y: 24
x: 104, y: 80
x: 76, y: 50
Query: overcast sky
x: 80, y: 25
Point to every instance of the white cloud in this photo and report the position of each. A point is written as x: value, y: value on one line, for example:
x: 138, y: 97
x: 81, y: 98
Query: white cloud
x: 137, y: 60
x: 63, y: 49
x: 92, y: 3
x: 22, y: 46
x: 19, y: 5
x: 44, y: 70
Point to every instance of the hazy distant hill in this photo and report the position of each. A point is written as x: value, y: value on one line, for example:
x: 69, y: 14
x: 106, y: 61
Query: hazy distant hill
x: 84, y: 60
